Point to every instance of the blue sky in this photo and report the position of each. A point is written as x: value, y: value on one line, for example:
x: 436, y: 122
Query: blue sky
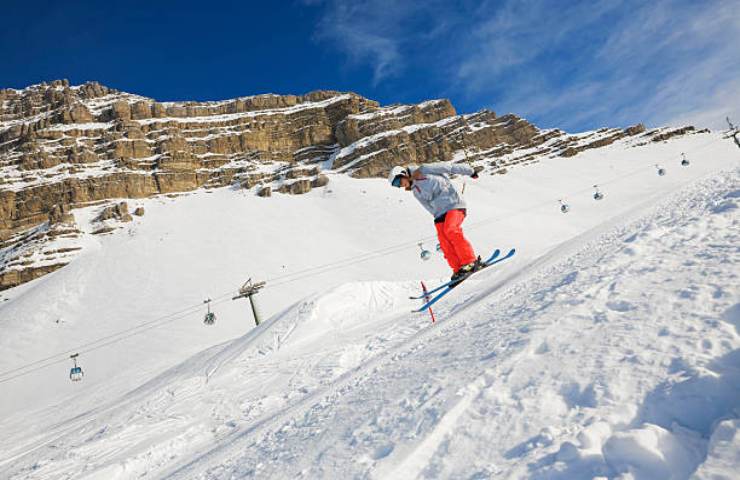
x: 575, y: 65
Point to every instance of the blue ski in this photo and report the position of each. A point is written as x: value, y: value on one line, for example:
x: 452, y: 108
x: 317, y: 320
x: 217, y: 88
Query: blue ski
x: 447, y: 288
x: 446, y: 284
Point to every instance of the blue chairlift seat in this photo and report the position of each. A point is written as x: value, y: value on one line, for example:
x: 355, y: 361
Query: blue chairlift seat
x: 76, y: 374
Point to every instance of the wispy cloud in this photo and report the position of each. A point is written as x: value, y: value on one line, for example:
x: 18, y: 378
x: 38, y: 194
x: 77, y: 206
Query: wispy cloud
x: 574, y: 65
x: 380, y: 33
x: 682, y: 60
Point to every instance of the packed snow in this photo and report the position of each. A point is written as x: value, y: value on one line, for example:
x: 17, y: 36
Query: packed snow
x: 608, y: 347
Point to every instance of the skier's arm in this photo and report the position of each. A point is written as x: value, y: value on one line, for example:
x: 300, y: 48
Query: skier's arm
x: 446, y: 168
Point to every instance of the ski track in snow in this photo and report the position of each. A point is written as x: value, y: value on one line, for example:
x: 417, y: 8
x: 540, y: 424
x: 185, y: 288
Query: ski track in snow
x: 615, y: 354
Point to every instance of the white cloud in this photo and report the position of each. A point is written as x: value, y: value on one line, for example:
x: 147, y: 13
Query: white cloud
x: 690, y: 59
x: 380, y: 33
x: 572, y: 65
x: 659, y: 62
x: 518, y: 32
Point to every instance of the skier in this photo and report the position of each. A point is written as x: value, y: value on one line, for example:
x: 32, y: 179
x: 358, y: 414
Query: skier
x: 434, y: 190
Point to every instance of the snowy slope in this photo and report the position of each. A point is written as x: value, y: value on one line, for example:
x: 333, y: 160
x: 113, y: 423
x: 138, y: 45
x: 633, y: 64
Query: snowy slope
x: 608, y: 345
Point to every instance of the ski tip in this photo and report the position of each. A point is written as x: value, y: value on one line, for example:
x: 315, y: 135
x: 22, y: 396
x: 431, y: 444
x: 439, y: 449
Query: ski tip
x: 494, y: 255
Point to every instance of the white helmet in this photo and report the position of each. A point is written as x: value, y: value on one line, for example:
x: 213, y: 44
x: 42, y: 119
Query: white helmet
x: 397, y: 171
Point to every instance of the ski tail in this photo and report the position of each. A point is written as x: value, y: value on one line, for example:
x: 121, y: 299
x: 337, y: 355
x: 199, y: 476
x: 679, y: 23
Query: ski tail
x: 426, y: 299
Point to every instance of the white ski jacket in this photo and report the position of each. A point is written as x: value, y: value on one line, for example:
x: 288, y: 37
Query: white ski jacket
x: 435, y: 191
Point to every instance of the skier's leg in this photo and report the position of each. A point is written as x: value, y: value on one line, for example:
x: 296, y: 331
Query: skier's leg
x: 447, y: 249
x: 452, y: 229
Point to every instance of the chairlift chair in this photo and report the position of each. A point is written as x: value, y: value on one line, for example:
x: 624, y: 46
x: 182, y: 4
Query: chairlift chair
x: 425, y: 254
x: 210, y: 317
x: 597, y: 194
x: 564, y: 207
x: 75, y: 373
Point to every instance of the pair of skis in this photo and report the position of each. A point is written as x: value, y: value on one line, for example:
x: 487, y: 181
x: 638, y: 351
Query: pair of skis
x: 445, y: 288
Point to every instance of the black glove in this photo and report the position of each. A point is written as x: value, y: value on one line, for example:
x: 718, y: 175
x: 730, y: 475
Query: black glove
x: 475, y: 172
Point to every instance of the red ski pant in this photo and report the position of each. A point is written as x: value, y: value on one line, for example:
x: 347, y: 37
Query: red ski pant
x: 455, y: 246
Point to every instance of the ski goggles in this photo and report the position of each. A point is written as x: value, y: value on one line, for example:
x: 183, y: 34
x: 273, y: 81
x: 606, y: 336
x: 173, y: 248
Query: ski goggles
x: 397, y: 181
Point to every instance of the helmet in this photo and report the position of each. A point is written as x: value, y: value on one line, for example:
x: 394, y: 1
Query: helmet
x: 396, y: 173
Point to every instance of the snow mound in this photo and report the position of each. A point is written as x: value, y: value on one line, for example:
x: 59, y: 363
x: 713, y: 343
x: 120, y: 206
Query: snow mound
x: 333, y: 317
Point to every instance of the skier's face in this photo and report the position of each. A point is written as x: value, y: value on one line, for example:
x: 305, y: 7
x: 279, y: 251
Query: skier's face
x: 405, y: 183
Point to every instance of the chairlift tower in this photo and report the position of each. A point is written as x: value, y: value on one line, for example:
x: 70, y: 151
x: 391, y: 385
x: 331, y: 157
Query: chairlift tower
x: 249, y: 290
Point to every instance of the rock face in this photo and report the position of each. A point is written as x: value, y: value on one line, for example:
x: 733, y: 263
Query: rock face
x: 60, y: 214
x: 109, y: 218
x: 118, y: 212
x: 63, y: 146
x: 38, y: 251
x: 444, y: 135
x: 10, y: 278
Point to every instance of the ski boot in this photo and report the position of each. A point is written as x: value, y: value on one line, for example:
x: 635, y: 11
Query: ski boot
x: 465, y: 271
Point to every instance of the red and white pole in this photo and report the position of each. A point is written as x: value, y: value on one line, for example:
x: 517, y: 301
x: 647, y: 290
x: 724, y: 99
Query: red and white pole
x: 426, y: 299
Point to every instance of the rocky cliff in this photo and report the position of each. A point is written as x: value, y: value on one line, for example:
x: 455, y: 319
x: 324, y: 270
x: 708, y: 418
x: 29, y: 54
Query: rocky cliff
x: 63, y: 147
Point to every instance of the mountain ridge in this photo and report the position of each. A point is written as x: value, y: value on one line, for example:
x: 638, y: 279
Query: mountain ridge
x: 64, y: 147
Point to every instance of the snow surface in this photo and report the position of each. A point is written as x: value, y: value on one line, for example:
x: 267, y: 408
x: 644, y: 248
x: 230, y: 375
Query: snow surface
x: 608, y: 347
x: 394, y: 110
x: 250, y: 114
x: 382, y: 112
x: 82, y: 126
